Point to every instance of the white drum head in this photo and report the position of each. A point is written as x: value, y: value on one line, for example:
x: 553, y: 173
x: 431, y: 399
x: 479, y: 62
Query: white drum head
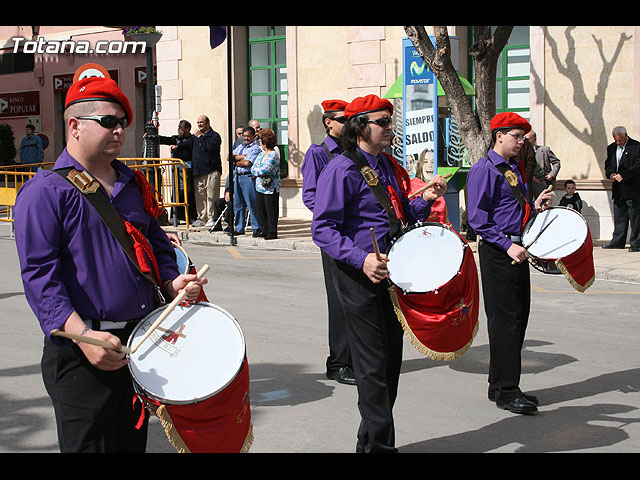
x: 195, y: 353
x: 565, y: 234
x: 425, y: 257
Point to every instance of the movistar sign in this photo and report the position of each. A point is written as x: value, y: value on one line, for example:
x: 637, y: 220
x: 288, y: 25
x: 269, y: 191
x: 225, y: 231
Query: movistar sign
x: 419, y: 72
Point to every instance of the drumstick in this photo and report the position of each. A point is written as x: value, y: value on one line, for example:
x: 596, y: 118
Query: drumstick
x: 375, y: 245
x: 90, y: 340
x: 430, y: 183
x: 169, y: 309
x: 537, y: 236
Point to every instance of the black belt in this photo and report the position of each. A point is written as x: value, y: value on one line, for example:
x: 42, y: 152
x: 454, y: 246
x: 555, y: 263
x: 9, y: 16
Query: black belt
x: 102, y: 325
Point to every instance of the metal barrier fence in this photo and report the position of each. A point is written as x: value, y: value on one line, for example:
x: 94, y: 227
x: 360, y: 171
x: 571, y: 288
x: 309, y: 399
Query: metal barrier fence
x: 167, y: 175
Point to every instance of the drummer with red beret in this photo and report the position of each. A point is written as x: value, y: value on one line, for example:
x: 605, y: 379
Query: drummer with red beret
x: 338, y: 364
x: 497, y: 210
x: 345, y: 210
x: 78, y: 279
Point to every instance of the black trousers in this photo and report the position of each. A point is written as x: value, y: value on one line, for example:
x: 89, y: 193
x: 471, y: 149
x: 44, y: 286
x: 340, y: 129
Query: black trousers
x: 268, y: 210
x: 93, y: 408
x: 506, y: 290
x: 375, y: 341
x: 339, y: 355
x: 626, y: 211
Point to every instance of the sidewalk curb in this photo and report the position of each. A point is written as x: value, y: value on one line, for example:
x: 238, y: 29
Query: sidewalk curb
x: 296, y: 236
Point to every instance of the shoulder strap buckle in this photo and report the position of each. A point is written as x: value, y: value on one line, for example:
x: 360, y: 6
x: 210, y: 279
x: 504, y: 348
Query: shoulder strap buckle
x: 511, y: 178
x: 83, y: 181
x: 369, y: 176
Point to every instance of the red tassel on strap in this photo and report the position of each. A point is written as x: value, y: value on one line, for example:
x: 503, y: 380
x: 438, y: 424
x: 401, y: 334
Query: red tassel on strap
x: 149, y: 199
x: 143, y: 250
x: 402, y: 176
x: 522, y: 172
x: 527, y: 215
x: 397, y: 203
x: 143, y: 411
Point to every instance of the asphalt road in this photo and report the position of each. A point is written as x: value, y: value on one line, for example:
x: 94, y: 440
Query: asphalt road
x: 580, y: 358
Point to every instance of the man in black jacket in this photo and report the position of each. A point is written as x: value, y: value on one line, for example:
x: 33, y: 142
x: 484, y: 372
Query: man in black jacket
x: 207, y: 168
x: 622, y: 167
x: 184, y: 133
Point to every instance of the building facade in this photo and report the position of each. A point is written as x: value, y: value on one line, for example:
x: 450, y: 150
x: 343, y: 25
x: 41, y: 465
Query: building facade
x: 574, y: 84
x: 37, y: 66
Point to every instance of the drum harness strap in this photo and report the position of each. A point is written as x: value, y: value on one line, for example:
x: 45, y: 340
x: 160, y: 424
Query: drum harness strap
x: 326, y: 149
x: 133, y: 242
x: 371, y: 178
x: 512, y: 180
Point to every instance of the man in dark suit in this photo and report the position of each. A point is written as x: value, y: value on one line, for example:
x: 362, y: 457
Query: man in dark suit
x: 622, y: 167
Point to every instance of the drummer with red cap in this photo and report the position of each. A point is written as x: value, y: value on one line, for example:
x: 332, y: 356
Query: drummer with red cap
x: 78, y: 279
x: 338, y: 364
x: 346, y: 208
x: 497, y: 211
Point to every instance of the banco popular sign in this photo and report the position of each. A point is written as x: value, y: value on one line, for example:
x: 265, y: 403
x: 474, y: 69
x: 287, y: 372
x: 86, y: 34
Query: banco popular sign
x: 19, y: 104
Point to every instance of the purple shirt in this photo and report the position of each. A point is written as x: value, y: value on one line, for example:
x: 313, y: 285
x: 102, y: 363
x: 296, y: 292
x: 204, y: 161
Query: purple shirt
x: 69, y: 258
x: 314, y: 161
x: 493, y: 211
x: 346, y: 208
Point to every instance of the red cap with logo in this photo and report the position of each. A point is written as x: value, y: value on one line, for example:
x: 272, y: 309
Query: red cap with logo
x: 367, y: 104
x: 510, y: 120
x: 98, y: 89
x: 333, y: 105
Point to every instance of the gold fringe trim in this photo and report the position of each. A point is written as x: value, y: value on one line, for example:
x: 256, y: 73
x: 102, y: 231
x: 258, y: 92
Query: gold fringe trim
x: 574, y: 284
x: 422, y: 348
x: 174, y: 437
x: 172, y: 434
x: 248, y: 441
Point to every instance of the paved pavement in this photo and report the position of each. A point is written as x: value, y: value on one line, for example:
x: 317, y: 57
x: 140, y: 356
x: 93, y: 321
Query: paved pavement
x: 295, y: 234
x: 580, y: 358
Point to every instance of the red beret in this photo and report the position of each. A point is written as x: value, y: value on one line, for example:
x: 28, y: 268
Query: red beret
x: 369, y: 103
x: 98, y: 89
x: 333, y: 105
x: 510, y: 120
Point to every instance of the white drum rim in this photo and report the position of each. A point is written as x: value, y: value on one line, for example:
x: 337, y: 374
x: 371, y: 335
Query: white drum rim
x: 154, y: 396
x: 549, y: 209
x: 184, y: 252
x: 417, y: 225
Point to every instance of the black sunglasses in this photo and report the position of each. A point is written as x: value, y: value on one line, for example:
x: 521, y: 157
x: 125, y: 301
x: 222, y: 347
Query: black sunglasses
x: 107, y: 121
x: 342, y: 119
x: 382, y: 122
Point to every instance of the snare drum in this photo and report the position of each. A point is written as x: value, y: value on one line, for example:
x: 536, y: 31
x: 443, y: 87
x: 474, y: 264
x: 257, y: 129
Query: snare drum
x: 192, y: 373
x: 565, y: 232
x: 434, y: 289
x: 424, y: 257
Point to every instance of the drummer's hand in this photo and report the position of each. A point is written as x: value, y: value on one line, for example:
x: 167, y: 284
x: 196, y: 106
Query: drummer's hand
x: 518, y: 253
x: 182, y: 282
x: 437, y: 190
x: 543, y: 199
x: 104, y: 358
x: 174, y: 238
x: 375, y: 269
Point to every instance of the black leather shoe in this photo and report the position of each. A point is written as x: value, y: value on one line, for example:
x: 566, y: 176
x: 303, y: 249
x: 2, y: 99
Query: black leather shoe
x: 532, y: 398
x: 519, y: 405
x: 608, y: 245
x: 257, y: 233
x: 634, y: 249
x: 342, y: 375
